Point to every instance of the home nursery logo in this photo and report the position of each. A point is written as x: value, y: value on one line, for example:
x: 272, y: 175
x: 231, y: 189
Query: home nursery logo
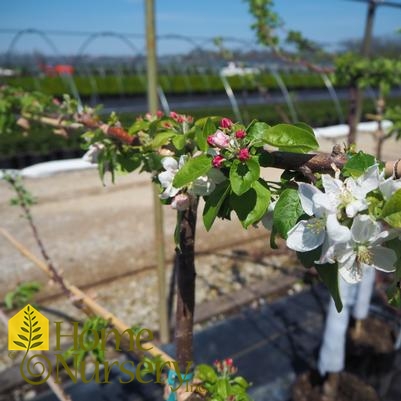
x: 28, y: 331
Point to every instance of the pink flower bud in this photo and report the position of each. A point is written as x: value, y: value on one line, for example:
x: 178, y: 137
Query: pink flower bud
x: 218, y: 161
x: 219, y: 139
x: 159, y: 114
x: 229, y: 361
x: 243, y: 154
x: 180, y: 202
x: 240, y: 134
x: 226, y: 123
x: 173, y: 115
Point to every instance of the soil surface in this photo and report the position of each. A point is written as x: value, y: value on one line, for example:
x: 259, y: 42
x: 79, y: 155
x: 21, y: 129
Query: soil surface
x: 350, y: 388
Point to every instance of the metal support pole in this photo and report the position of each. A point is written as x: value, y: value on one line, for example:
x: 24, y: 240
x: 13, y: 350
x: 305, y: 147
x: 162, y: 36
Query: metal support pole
x: 157, y: 207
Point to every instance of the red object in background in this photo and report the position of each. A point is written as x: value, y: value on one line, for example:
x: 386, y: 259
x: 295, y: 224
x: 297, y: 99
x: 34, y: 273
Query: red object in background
x: 58, y: 69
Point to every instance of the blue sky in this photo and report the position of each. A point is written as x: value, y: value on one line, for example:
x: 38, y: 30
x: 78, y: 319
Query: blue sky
x: 327, y: 21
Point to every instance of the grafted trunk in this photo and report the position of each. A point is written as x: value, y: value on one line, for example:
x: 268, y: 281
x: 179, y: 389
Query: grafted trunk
x: 186, y: 285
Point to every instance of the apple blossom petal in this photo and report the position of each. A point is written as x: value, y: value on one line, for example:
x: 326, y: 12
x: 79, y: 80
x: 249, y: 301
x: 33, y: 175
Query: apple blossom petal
x: 364, y: 229
x: 306, y: 192
x: 352, y: 274
x: 306, y: 235
x: 324, y: 204
x: 389, y: 186
x: 327, y: 255
x: 384, y: 259
x: 336, y: 231
x: 165, y: 178
x: 331, y: 185
x: 169, y: 163
x: 355, y: 206
x: 369, y: 181
x: 267, y: 219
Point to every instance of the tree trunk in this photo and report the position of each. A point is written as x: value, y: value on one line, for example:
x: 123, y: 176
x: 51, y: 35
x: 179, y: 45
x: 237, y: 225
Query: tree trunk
x: 186, y: 285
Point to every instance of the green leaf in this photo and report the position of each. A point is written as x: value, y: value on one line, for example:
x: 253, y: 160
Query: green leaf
x: 287, y: 211
x: 329, y: 275
x: 36, y: 344
x: 206, y: 373
x: 243, y: 175
x: 392, y: 210
x: 20, y: 344
x: 241, y: 382
x: 161, y: 139
x: 179, y: 141
x: 257, y: 133
x: 213, y: 203
x: 357, y: 164
x: 291, y: 138
x: 208, y: 129
x: 128, y: 162
x: 191, y: 170
x: 252, y: 205
x: 223, y: 387
x: 201, y: 140
x: 394, y: 295
x: 22, y: 337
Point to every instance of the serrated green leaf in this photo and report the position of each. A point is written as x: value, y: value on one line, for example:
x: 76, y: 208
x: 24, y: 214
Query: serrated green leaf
x: 291, y: 138
x: 161, y: 139
x: 206, y: 373
x: 191, y: 170
x: 241, y: 382
x: 256, y: 133
x: 179, y: 141
x: 243, y: 175
x: 213, y: 203
x: 201, y: 140
x: 287, y: 211
x: 392, y: 210
x: 357, y: 164
x: 20, y: 344
x: 252, y: 205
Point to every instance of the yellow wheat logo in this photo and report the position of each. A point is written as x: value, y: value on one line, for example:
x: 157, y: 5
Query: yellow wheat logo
x: 28, y: 330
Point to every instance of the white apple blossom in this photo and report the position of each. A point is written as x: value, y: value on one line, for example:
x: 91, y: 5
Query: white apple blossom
x: 388, y: 186
x: 351, y: 194
x: 364, y: 249
x: 309, y: 234
x: 166, y: 177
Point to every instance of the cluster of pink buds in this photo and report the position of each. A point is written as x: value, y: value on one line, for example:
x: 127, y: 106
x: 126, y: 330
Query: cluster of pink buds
x: 225, y: 367
x: 153, y: 117
x: 181, y: 118
x: 228, y: 143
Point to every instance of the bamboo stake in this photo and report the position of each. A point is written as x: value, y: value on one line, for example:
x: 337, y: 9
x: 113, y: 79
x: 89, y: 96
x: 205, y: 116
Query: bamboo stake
x: 157, y: 206
x: 83, y: 298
